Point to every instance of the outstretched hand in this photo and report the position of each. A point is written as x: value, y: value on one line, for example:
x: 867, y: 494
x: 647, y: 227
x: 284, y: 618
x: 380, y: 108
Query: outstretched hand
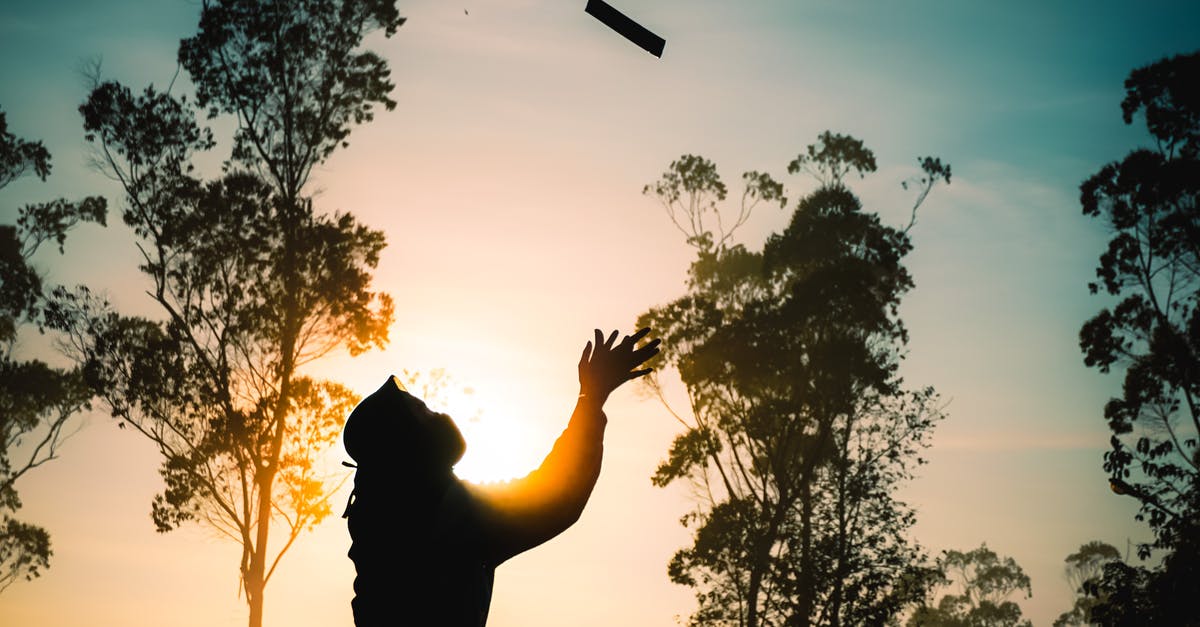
x: 603, y: 367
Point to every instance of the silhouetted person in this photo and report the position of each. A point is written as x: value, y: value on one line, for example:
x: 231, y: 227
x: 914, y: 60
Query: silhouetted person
x: 426, y: 544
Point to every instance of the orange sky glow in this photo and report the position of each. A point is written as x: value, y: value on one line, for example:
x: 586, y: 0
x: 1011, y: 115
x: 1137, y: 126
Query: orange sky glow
x: 508, y: 183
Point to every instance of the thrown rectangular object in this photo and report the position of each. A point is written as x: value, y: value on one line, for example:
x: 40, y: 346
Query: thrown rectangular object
x: 628, y: 28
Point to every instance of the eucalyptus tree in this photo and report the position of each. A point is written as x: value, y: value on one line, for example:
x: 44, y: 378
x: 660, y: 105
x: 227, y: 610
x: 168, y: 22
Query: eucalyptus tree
x: 1083, y: 570
x: 985, y: 582
x: 1150, y: 203
x: 798, y: 429
x: 37, y: 400
x: 250, y: 282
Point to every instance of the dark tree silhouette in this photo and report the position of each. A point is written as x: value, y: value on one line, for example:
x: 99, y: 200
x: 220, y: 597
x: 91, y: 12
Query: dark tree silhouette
x: 985, y: 583
x: 251, y: 282
x: 1149, y: 202
x: 799, y: 430
x: 36, y: 399
x: 1083, y: 570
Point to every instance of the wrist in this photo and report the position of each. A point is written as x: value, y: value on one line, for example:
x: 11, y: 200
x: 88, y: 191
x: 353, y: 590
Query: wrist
x: 592, y: 398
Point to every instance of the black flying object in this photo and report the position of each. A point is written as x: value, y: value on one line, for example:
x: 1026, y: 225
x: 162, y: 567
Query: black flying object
x: 630, y: 29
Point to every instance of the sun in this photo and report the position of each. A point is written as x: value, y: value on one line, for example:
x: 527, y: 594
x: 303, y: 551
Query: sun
x: 499, y: 446
x: 497, y: 450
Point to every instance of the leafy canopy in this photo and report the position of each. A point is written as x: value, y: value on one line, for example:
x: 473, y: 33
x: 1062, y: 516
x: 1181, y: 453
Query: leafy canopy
x: 36, y: 399
x: 251, y: 282
x: 798, y: 428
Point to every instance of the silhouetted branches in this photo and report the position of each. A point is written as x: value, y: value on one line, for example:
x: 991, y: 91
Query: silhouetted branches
x: 36, y: 399
x: 798, y: 430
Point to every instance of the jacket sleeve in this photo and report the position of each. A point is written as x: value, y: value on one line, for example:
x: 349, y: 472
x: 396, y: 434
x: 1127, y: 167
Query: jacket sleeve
x: 518, y: 515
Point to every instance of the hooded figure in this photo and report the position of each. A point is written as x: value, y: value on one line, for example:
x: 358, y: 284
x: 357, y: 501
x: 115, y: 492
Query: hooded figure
x: 425, y: 545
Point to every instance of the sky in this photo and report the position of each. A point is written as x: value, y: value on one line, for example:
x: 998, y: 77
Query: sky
x: 508, y: 183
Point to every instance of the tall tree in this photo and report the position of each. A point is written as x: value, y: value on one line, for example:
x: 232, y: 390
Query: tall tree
x: 799, y: 429
x: 1083, y: 570
x: 985, y: 582
x: 36, y: 399
x: 252, y: 283
x: 1149, y: 202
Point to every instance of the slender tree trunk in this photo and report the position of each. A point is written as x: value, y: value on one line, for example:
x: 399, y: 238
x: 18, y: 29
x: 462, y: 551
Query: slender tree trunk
x: 836, y: 597
x: 254, y: 597
x: 256, y: 579
x: 265, y: 476
x: 804, y: 605
x: 752, y: 591
x: 762, y: 558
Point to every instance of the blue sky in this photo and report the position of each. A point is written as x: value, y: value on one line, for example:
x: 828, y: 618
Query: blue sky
x: 508, y: 183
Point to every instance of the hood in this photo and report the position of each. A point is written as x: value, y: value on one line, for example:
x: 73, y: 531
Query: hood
x: 391, y: 427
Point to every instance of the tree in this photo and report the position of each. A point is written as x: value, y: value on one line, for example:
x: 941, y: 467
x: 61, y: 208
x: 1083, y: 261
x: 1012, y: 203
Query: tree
x: 1152, y: 264
x: 251, y: 282
x: 1084, y: 568
x: 1151, y: 267
x: 986, y: 581
x: 1132, y: 595
x: 799, y: 429
x: 36, y: 399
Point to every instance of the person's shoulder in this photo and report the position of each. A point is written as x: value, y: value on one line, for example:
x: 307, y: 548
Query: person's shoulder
x: 461, y: 503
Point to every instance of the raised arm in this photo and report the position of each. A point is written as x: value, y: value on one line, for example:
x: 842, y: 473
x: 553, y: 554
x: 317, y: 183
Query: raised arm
x: 518, y: 515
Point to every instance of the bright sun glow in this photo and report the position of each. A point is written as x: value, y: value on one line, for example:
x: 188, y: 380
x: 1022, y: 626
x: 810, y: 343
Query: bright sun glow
x: 499, y: 446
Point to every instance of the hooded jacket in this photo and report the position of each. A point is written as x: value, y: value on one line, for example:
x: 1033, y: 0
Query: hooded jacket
x: 425, y: 545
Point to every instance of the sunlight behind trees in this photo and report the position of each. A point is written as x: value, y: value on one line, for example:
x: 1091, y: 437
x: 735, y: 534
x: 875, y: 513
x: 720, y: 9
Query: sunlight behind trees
x: 504, y: 180
x: 798, y: 429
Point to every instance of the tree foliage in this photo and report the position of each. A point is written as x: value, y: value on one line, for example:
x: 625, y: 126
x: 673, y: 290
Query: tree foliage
x: 1148, y: 201
x: 1083, y: 570
x: 20, y: 156
x: 799, y: 429
x: 985, y: 584
x: 250, y: 281
x: 1152, y: 265
x: 1132, y: 595
x: 294, y: 76
x: 36, y: 399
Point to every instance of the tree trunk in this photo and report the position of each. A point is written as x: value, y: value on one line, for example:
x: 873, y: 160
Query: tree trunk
x: 762, y: 558
x: 255, y: 600
x: 836, y: 597
x: 256, y: 581
x: 804, y: 605
x: 752, y: 593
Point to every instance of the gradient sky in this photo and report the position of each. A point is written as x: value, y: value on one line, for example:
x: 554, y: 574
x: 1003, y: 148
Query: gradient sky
x: 508, y: 183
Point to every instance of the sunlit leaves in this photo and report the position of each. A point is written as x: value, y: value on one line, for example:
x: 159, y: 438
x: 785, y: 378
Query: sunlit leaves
x: 690, y: 448
x: 250, y: 281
